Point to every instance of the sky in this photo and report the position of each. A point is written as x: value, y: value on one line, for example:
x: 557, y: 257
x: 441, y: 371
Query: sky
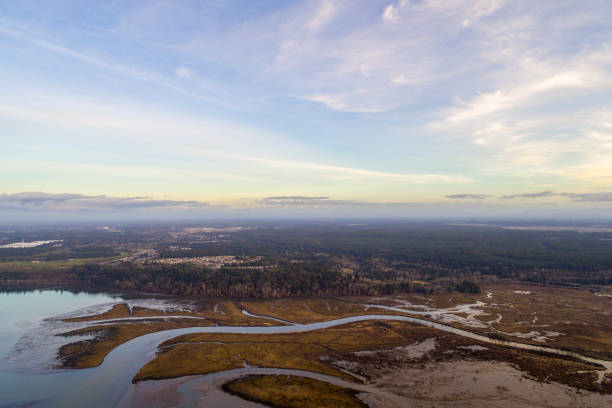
x: 424, y: 108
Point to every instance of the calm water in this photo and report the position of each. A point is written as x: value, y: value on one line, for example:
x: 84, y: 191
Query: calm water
x: 25, y: 346
x: 23, y: 312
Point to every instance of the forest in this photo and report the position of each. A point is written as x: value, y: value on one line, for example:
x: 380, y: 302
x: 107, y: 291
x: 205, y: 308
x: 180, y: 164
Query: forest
x: 303, y: 259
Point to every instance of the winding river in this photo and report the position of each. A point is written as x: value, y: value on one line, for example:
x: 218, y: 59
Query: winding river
x: 106, y: 385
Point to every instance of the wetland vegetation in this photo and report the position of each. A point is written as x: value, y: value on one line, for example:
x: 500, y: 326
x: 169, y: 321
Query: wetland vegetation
x: 281, y: 391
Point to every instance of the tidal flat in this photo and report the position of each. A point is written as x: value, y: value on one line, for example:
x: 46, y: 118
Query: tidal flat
x: 390, y: 350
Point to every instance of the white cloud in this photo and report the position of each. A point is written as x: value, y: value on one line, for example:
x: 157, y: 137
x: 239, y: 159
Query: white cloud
x: 519, y: 96
x: 306, y: 201
x: 464, y: 11
x: 408, y: 47
x: 186, y: 136
x: 183, y: 72
x: 335, y: 102
x: 360, y: 100
x: 130, y: 120
x: 541, y: 119
x: 323, y: 15
x: 391, y: 14
x: 401, y: 79
x: 360, y: 173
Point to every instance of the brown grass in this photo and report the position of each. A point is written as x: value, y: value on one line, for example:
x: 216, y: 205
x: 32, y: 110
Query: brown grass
x: 292, y: 392
x: 304, y: 310
x: 205, y: 353
x: 581, y: 316
x: 91, y: 353
x: 316, y: 351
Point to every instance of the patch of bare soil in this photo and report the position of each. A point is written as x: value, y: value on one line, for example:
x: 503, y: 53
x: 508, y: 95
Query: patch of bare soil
x: 475, y: 384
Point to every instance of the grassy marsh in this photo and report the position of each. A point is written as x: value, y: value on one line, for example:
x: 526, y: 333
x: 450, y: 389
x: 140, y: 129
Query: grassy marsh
x: 292, y: 392
x: 336, y: 351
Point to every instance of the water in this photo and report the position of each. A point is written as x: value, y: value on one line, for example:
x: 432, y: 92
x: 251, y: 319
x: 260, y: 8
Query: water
x: 23, y: 312
x: 23, y: 383
x: 26, y: 347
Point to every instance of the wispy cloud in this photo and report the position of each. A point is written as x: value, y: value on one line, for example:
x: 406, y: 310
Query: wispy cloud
x: 541, y: 194
x: 276, y: 198
x: 467, y: 196
x: 578, y: 197
x: 374, y: 100
x: 575, y: 197
x: 130, y: 122
x: 467, y: 11
x: 323, y: 15
x: 306, y: 201
x: 107, y: 63
x: 40, y: 201
x: 592, y: 197
x: 183, y: 72
x: 391, y: 14
x: 352, y: 172
x: 526, y: 94
x: 535, y: 113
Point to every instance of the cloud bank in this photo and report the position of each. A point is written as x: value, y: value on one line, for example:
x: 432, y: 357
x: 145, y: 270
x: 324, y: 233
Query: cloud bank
x: 598, y: 197
x: 467, y: 196
x: 306, y: 201
x: 40, y: 207
x: 39, y: 201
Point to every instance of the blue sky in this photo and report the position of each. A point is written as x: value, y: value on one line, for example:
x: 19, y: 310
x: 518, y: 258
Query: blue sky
x: 460, y: 107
